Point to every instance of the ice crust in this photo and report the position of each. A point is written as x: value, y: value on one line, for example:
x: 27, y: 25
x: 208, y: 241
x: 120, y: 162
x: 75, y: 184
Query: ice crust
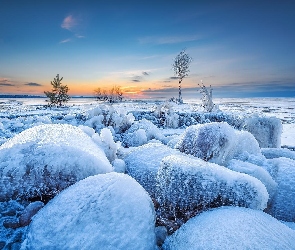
x: 143, y: 162
x: 216, y: 142
x: 186, y: 183
x: 43, y: 160
x: 283, y: 205
x: 232, y: 228
x: 108, y: 211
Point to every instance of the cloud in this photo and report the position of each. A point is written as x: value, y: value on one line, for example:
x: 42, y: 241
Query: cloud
x: 69, y: 23
x: 168, y: 39
x: 173, y: 78
x: 136, y: 80
x: 33, y: 84
x: 145, y: 73
x: 5, y: 82
x: 66, y: 40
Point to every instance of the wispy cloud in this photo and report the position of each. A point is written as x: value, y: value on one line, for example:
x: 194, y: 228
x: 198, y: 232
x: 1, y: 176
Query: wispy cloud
x: 6, y: 82
x: 66, y: 40
x: 69, y: 23
x: 145, y: 73
x: 168, y: 39
x: 136, y: 80
x: 33, y: 84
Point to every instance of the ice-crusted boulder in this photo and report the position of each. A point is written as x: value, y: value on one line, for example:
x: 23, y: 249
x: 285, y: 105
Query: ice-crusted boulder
x: 108, y: 211
x: 256, y: 171
x: 43, y: 160
x: 143, y: 163
x: 266, y: 130
x: 271, y: 153
x: 232, y: 228
x: 283, y: 204
x: 216, y: 142
x: 186, y: 185
x: 151, y: 132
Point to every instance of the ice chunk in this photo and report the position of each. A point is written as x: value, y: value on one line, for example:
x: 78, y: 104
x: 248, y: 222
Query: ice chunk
x: 43, y: 160
x: 143, y: 162
x: 108, y: 211
x: 232, y: 228
x: 283, y: 205
x: 266, y: 130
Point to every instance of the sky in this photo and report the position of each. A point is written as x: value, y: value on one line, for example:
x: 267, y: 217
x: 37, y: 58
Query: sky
x: 241, y: 48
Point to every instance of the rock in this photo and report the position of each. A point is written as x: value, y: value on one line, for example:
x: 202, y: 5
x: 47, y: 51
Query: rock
x: 11, y: 223
x: 29, y: 212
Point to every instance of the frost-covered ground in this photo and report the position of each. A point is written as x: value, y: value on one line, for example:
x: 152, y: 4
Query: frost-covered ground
x: 175, y: 164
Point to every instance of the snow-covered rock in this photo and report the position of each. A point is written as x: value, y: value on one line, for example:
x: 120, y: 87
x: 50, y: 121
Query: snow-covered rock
x: 266, y: 130
x: 232, y: 228
x: 283, y: 204
x: 26, y: 215
x: 256, y: 171
x: 216, y: 142
x: 43, y: 160
x: 108, y: 211
x: 186, y: 183
x: 143, y: 163
x: 271, y: 153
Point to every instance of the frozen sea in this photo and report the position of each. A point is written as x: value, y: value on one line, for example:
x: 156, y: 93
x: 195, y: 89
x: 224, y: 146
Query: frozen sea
x: 282, y: 108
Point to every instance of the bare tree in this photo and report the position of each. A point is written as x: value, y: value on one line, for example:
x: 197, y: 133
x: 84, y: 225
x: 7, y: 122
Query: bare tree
x: 181, y: 69
x: 59, y: 93
x: 115, y: 94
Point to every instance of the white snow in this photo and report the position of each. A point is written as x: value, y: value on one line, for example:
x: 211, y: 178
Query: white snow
x: 271, y: 153
x: 108, y: 211
x: 232, y: 228
x: 45, y: 159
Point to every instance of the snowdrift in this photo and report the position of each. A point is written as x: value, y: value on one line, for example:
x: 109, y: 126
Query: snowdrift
x: 232, y: 228
x: 108, y: 211
x: 43, y: 160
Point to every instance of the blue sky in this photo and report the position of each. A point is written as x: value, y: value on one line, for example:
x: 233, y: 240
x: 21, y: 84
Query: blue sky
x: 241, y: 48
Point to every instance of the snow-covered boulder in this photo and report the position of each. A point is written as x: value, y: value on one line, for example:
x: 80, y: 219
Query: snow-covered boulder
x: 108, y: 211
x: 232, y: 228
x: 216, y: 142
x: 186, y: 184
x: 266, y: 130
x: 283, y: 204
x: 43, y: 160
x: 143, y: 163
x: 256, y: 171
x: 271, y: 153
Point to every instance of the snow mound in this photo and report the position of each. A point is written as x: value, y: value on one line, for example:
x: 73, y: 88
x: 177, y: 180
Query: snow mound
x: 271, y: 153
x: 216, y: 142
x: 188, y: 183
x: 256, y: 171
x: 283, y: 205
x: 266, y: 130
x: 108, y: 211
x: 43, y: 160
x: 232, y: 228
x: 143, y: 162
